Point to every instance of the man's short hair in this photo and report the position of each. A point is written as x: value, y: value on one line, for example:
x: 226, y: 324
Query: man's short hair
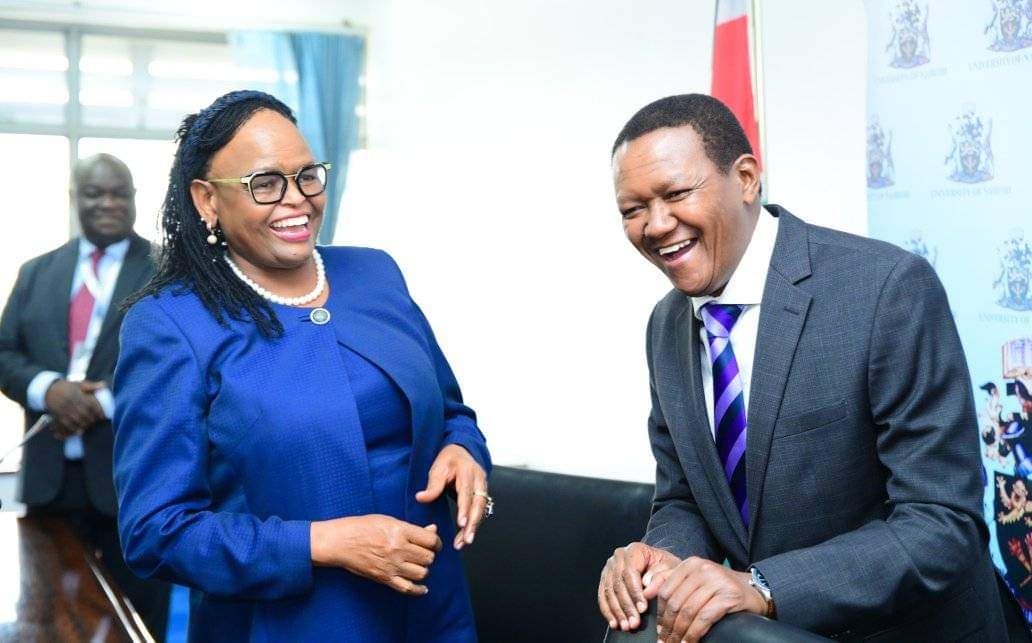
x: 85, y: 164
x: 722, y: 135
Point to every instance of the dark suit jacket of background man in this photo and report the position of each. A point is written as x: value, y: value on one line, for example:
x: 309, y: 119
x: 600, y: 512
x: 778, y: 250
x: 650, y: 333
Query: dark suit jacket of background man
x: 34, y: 338
x: 863, y: 469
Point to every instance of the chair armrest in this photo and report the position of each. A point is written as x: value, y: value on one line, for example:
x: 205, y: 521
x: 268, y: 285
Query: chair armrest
x: 742, y: 627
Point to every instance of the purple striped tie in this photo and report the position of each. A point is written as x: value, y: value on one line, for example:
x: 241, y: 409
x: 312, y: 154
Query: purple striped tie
x: 729, y: 418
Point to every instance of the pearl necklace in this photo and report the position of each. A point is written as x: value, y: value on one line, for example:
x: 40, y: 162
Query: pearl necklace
x: 320, y: 284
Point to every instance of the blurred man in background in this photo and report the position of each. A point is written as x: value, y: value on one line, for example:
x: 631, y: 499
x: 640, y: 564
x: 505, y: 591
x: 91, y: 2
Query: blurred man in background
x: 58, y: 348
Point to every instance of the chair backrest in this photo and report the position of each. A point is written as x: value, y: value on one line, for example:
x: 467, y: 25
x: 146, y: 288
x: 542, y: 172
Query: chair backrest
x: 534, y: 568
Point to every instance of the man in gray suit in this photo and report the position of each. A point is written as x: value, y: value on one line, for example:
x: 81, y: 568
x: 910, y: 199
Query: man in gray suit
x: 812, y: 418
x: 58, y: 348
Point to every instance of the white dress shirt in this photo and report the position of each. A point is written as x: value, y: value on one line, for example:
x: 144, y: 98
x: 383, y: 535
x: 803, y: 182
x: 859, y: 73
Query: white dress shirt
x: 744, y: 287
x: 108, y: 268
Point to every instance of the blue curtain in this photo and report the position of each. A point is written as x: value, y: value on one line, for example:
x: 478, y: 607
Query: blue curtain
x: 317, y: 76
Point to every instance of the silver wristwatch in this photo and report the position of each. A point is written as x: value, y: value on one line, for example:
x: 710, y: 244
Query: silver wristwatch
x: 759, y: 583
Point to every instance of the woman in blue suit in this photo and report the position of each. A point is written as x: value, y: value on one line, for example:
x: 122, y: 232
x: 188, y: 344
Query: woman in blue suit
x: 285, y: 422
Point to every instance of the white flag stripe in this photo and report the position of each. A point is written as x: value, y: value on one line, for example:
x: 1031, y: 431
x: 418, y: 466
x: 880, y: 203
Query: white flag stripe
x: 730, y: 9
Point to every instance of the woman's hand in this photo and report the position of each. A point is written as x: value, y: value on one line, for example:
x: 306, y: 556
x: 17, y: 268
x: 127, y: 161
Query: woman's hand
x: 380, y: 548
x: 455, y: 467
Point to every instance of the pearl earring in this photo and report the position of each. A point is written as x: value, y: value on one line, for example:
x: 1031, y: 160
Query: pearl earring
x: 212, y: 239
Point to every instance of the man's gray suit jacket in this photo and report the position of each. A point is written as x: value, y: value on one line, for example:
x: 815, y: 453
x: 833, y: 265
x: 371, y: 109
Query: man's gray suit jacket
x: 863, y: 468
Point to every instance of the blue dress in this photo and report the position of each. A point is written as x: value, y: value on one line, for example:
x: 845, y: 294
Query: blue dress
x: 386, y: 427
x: 228, y: 445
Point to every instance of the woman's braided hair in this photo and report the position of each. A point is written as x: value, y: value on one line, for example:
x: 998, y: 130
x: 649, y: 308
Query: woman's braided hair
x: 186, y: 260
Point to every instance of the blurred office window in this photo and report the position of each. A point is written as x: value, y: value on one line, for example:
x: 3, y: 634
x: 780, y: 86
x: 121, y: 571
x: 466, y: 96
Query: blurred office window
x: 150, y: 84
x: 33, y: 67
x: 189, y: 76
x: 112, y: 92
x: 38, y: 221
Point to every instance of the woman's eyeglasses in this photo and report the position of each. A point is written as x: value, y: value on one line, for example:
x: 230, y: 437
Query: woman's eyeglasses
x: 269, y: 187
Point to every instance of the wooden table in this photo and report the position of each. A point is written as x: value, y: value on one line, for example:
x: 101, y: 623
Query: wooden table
x: 53, y: 589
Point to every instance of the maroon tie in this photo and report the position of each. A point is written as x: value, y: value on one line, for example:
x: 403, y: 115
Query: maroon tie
x: 81, y: 309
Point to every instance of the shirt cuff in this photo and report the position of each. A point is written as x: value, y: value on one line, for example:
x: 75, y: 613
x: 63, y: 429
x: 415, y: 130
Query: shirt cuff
x: 37, y: 390
x: 106, y: 401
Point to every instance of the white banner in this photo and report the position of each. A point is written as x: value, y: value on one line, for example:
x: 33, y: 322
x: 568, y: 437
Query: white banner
x: 948, y: 176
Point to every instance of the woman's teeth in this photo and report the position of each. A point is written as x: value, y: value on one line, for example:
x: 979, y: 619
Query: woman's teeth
x: 291, y: 222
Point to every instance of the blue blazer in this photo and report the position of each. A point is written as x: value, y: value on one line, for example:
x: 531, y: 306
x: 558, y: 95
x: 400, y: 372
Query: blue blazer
x: 228, y: 444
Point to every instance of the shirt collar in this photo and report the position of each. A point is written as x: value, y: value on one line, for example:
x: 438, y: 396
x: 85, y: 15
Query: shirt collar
x: 115, y: 251
x: 750, y: 276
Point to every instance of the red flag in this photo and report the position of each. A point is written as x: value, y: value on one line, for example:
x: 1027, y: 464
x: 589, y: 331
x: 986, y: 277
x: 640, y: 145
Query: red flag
x: 732, y: 70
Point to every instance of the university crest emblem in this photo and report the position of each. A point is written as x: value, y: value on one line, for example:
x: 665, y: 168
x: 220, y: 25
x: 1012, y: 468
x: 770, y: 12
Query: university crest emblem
x: 1011, y: 25
x: 910, y: 44
x: 1015, y: 277
x: 972, y: 154
x: 880, y: 169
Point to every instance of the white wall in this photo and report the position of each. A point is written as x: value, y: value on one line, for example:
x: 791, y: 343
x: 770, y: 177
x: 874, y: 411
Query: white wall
x: 815, y: 66
x: 487, y: 177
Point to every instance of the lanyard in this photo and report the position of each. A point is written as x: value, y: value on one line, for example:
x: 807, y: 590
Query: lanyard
x: 82, y: 353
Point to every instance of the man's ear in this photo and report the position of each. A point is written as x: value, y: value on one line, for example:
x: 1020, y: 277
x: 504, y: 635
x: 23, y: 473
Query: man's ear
x: 747, y: 169
x: 205, y: 200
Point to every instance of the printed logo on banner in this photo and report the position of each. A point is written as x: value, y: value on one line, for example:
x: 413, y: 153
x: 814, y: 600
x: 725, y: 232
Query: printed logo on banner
x: 917, y: 245
x: 910, y: 44
x: 1015, y: 277
x: 1007, y: 436
x: 880, y: 169
x: 972, y: 154
x: 1011, y: 26
x: 1014, y: 536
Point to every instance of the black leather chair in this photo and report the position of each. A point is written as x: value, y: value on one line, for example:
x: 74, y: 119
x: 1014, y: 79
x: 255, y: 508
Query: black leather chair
x: 534, y: 569
x: 733, y: 628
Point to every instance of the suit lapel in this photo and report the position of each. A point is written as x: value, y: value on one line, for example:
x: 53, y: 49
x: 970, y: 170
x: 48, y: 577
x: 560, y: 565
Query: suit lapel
x: 357, y: 335
x: 396, y: 354
x: 689, y: 350
x: 58, y: 280
x: 782, y: 317
x: 382, y: 345
x: 131, y: 278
